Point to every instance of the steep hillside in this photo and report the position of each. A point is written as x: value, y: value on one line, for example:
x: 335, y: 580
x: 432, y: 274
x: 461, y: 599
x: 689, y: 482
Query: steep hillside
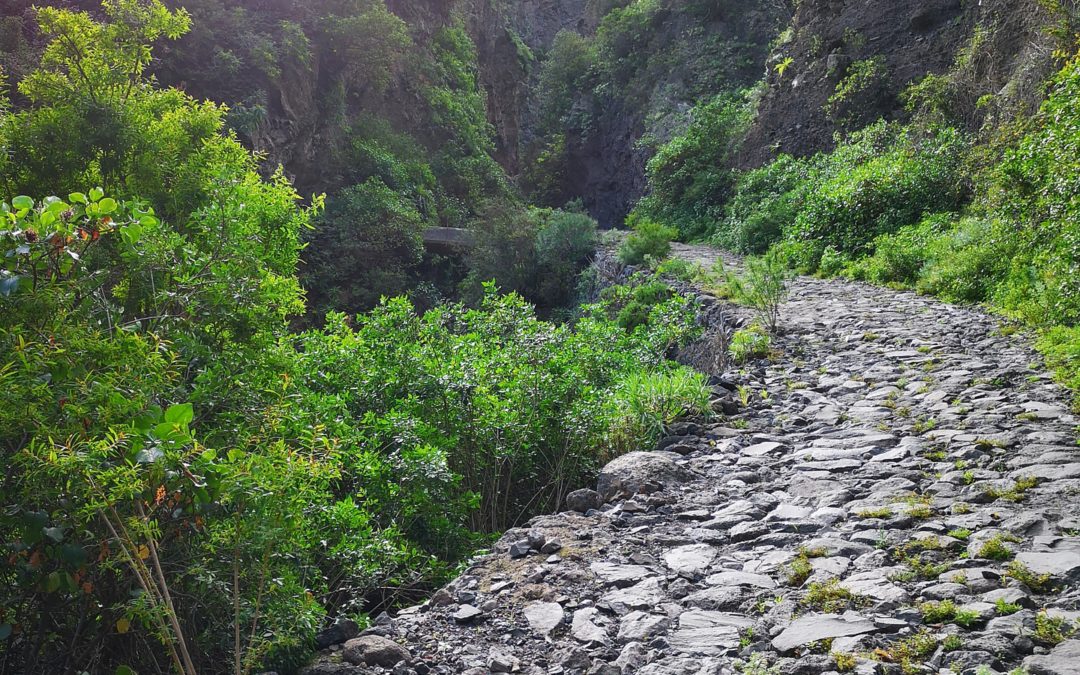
x: 842, y: 65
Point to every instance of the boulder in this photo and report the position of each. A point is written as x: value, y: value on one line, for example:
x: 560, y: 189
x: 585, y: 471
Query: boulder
x: 373, y: 650
x: 343, y: 630
x: 583, y: 500
x: 639, y: 473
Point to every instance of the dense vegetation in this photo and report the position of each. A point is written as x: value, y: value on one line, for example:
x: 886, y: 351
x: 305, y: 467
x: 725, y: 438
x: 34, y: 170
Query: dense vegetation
x: 231, y: 410
x: 962, y: 200
x: 648, y: 62
x: 193, y: 486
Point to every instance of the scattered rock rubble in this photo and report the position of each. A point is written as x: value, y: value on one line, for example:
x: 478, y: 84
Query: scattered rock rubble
x: 900, y: 495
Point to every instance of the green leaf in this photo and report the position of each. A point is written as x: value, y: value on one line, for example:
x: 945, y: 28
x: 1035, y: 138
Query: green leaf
x: 96, y: 194
x: 107, y: 206
x: 77, y: 198
x: 22, y: 202
x: 181, y: 413
x: 125, y: 670
x: 131, y: 234
x: 52, y: 582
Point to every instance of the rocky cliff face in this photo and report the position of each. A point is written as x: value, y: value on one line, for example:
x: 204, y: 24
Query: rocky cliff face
x: 996, y: 47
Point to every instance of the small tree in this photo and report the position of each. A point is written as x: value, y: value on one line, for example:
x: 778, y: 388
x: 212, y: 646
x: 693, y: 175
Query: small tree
x: 762, y: 286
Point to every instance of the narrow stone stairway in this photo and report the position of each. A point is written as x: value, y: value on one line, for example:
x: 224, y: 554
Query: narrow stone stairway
x: 899, y: 493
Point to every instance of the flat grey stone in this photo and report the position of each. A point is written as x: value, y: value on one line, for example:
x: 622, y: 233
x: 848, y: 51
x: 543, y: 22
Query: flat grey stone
x: 736, y: 578
x: 644, y: 595
x: 691, y: 560
x: 707, y: 633
x: 814, y: 627
x: 613, y: 574
x: 639, y: 626
x: 585, y: 627
x: 1058, y: 564
x: 543, y: 617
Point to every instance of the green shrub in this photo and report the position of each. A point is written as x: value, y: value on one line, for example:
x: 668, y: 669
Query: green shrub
x: 763, y: 285
x: 966, y: 263
x: 689, y: 176
x: 749, y: 343
x: 364, y: 246
x: 638, y: 308
x: 1036, y: 188
x: 899, y: 258
x: 764, y: 201
x: 648, y: 239
x: 1061, y: 346
x: 646, y: 402
x: 565, y: 243
x: 878, y: 194
x: 862, y: 87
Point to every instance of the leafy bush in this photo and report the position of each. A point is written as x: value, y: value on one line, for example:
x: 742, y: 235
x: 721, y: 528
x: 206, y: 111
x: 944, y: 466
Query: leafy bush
x: 1061, y: 346
x: 862, y: 87
x: 880, y: 193
x: 538, y: 253
x: 638, y: 307
x: 689, y: 176
x: 749, y: 343
x: 649, y: 239
x: 565, y: 243
x: 764, y: 201
x: 966, y: 263
x: 1036, y: 187
x: 639, y: 410
x: 898, y: 258
x: 363, y: 247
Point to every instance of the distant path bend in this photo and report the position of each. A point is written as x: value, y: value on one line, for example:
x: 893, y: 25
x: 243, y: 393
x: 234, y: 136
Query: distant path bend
x: 899, y: 451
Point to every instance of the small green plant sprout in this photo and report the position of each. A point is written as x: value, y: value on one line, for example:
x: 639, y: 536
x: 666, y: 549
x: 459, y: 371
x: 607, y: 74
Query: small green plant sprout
x: 744, y: 392
x: 757, y: 664
x: 908, y: 652
x: 952, y: 643
x: 870, y: 336
x: 1052, y: 630
x: 918, y: 506
x: 961, y: 533
x: 763, y: 286
x: 845, y: 662
x: 1004, y: 607
x: 966, y: 617
x: 1015, y: 493
x: 995, y: 548
x: 1038, y: 583
x: 830, y: 597
x: 921, y: 426
x: 782, y: 66
x: 882, y: 513
x: 938, y: 612
x: 799, y: 570
x: 989, y: 443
